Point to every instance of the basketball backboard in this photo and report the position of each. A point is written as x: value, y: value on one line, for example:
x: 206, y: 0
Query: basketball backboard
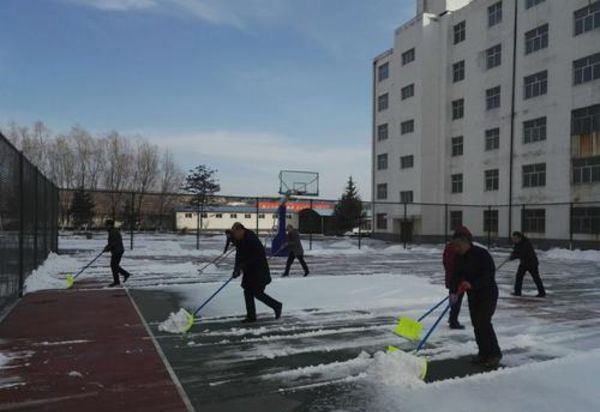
x: 298, y: 183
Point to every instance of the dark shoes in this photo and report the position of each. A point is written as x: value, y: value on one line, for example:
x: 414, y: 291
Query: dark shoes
x: 278, y: 311
x: 249, y: 320
x: 125, y: 277
x: 112, y: 285
x: 284, y: 275
x: 456, y: 326
x: 306, y: 273
x: 515, y: 294
x: 492, y: 362
x: 541, y: 295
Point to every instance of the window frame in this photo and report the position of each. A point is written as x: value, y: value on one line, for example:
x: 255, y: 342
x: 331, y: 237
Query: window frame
x: 407, y: 162
x: 383, y: 71
x: 492, y: 139
x: 407, y: 91
x: 458, y: 109
x: 494, y: 14
x: 491, y: 180
x: 458, y: 71
x: 532, y: 221
x: 408, y: 56
x: 457, y: 182
x: 456, y: 146
x: 382, y: 191
x: 382, y: 161
x: 493, y: 56
x: 537, y: 39
x: 383, y: 102
x: 535, y: 85
x: 493, y: 98
x: 533, y: 175
x: 460, y: 32
x: 534, y: 131
x: 589, y: 65
x: 407, y: 127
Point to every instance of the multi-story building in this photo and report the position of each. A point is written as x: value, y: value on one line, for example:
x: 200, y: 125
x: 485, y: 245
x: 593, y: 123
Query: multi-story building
x: 489, y: 102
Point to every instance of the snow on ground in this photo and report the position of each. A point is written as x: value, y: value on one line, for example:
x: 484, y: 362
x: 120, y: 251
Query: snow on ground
x: 52, y: 274
x: 337, y: 322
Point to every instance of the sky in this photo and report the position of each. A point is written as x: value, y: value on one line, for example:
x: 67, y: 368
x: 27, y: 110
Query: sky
x: 249, y: 87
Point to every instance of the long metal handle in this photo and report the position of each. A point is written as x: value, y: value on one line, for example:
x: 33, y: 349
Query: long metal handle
x: 434, y: 308
x: 88, y: 265
x: 424, y: 340
x: 213, y: 295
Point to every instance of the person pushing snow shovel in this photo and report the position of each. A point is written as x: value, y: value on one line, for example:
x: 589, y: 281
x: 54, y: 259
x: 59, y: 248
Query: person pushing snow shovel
x: 449, y: 262
x: 476, y: 275
x: 251, y: 261
x: 116, y: 249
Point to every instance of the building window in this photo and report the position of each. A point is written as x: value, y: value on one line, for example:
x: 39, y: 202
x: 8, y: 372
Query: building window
x: 586, y: 220
x: 406, y: 196
x: 536, y: 39
x: 492, y: 98
x: 530, y: 3
x: 458, y: 71
x: 492, y: 180
x: 460, y: 32
x: 536, y: 84
x: 586, y: 170
x: 457, y: 146
x: 586, y: 69
x: 188, y: 215
x: 458, y: 109
x: 407, y: 91
x: 408, y: 56
x: 534, y: 130
x: 382, y: 221
x: 490, y: 221
x: 534, y: 175
x: 533, y: 220
x: 585, y: 121
x: 204, y: 215
x: 456, y: 219
x: 382, y: 191
x: 493, y: 57
x: 495, y: 14
x: 261, y: 216
x: 407, y: 126
x: 247, y: 216
x: 382, y: 132
x: 218, y: 215
x: 492, y: 139
x: 383, y: 102
x: 233, y: 216
x: 406, y: 162
x: 383, y: 71
x: 587, y: 18
x: 457, y: 183
x: 382, y: 161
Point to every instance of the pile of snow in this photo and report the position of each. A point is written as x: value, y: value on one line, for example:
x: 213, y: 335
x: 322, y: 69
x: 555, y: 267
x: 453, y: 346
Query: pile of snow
x: 396, y: 369
x: 588, y: 255
x: 52, y: 274
x: 175, y: 323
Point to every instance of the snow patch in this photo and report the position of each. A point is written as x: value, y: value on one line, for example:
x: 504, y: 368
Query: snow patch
x: 75, y: 374
x: 587, y: 255
x: 51, y: 275
x: 175, y: 323
x: 399, y: 369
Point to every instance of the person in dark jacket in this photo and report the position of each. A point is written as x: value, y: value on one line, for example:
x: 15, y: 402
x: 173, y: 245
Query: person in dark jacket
x: 476, y: 275
x: 449, y: 261
x: 116, y: 249
x: 251, y: 261
x: 295, y: 250
x: 523, y: 250
x: 228, y: 240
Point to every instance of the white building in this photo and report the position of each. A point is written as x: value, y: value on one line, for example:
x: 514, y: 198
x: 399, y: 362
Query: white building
x: 490, y: 102
x: 218, y: 219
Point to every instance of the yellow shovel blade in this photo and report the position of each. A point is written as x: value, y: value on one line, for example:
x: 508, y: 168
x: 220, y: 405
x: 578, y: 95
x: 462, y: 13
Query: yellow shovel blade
x: 70, y: 280
x: 190, y: 321
x: 409, y: 328
x: 423, y: 374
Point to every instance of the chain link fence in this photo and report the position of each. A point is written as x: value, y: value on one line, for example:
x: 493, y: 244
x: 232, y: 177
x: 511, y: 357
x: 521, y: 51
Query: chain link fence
x: 28, y: 220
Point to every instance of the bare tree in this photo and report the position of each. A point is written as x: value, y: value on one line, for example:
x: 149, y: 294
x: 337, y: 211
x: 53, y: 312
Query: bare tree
x: 146, y: 171
x: 83, y: 145
x: 170, y: 180
x: 117, y: 173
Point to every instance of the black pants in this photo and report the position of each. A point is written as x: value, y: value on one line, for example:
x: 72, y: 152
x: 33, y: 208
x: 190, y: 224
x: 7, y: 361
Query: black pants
x: 290, y: 260
x: 455, y: 310
x: 535, y: 274
x: 251, y: 294
x: 482, y: 306
x: 115, y: 261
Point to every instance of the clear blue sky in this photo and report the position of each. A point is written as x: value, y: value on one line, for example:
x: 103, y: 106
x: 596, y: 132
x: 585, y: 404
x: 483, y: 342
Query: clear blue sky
x: 247, y: 86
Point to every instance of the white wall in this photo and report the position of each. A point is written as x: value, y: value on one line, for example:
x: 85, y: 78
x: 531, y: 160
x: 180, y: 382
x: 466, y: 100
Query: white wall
x: 188, y: 221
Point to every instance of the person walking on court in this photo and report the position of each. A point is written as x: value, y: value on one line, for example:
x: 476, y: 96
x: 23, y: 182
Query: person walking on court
x: 523, y: 250
x: 116, y: 249
x: 476, y: 275
x: 449, y: 262
x: 296, y: 251
x: 251, y: 262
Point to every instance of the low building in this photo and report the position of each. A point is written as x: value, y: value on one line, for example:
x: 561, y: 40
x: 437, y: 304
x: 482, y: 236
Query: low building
x: 220, y: 218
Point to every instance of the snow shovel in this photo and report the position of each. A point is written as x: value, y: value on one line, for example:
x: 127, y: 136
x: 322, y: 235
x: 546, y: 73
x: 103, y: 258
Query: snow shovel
x: 70, y: 279
x: 215, y: 260
x: 502, y: 264
x: 411, y: 329
x: 423, y: 361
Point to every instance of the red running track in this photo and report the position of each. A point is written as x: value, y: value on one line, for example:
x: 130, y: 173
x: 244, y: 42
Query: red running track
x: 82, y: 350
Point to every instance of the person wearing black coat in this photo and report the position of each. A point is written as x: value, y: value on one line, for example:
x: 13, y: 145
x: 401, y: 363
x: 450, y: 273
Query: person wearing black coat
x: 476, y: 275
x: 523, y: 250
x: 251, y: 262
x: 116, y: 249
x: 295, y: 251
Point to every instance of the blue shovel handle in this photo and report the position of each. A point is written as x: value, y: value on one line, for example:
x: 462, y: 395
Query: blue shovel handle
x: 434, y: 308
x: 430, y: 331
x: 88, y: 265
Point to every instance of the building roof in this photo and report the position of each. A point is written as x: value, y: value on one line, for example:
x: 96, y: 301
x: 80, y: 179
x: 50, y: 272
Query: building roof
x: 228, y: 209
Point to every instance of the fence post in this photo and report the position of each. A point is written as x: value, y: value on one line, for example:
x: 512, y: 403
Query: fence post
x: 21, y: 228
x: 571, y: 226
x: 489, y: 231
x: 131, y: 220
x: 403, y: 225
x: 35, y: 218
x: 359, y: 229
x: 198, y: 226
x: 310, y: 236
x: 446, y: 222
x: 257, y: 221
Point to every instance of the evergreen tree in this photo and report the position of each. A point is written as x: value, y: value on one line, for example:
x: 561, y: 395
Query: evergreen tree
x: 202, y: 185
x: 349, y: 209
x: 82, y: 208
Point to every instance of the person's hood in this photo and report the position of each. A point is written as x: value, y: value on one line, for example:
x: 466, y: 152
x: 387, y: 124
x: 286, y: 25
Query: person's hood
x: 463, y: 231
